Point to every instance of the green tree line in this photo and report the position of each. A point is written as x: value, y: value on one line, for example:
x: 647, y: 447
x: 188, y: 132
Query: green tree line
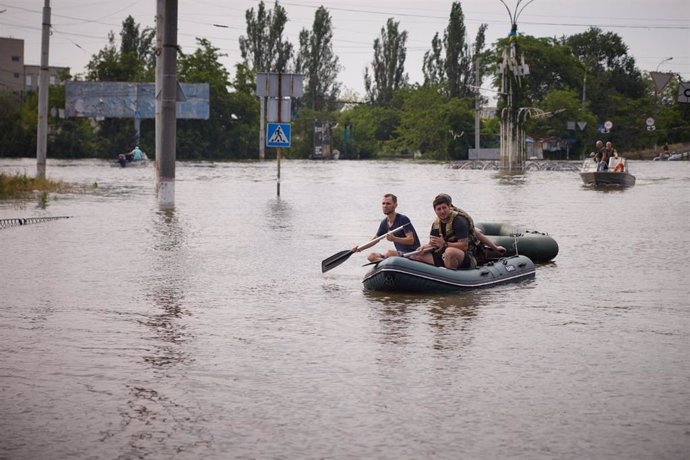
x: 587, y: 77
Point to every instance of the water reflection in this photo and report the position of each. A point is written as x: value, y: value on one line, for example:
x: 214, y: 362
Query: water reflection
x: 510, y: 178
x: 450, y: 320
x: 154, y: 408
x: 279, y: 213
x: 169, y: 275
x: 448, y: 316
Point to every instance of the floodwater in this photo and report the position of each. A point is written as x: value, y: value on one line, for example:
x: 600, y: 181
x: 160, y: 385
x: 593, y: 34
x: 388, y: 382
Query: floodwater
x: 210, y: 332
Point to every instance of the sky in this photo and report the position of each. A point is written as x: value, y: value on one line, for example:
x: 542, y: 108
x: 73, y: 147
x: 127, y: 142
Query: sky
x: 653, y: 30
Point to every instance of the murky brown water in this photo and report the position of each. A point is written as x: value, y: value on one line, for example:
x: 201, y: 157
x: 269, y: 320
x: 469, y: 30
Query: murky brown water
x: 210, y: 331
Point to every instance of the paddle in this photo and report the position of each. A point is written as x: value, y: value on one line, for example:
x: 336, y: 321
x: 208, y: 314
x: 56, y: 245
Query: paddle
x: 340, y: 257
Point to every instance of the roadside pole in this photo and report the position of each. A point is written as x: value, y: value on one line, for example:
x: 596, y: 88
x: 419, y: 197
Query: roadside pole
x: 273, y: 87
x: 43, y: 88
x: 166, y: 103
x: 278, y: 177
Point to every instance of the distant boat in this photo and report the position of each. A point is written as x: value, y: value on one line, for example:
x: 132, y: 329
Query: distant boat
x: 617, y: 174
x: 126, y: 160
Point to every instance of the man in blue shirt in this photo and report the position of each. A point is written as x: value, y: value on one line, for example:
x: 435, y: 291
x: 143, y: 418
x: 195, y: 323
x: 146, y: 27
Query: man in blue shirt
x: 405, y: 240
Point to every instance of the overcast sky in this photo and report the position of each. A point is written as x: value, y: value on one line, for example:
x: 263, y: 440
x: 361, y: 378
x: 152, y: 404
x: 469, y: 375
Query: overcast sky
x: 653, y: 30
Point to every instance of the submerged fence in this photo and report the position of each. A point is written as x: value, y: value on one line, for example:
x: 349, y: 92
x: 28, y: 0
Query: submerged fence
x: 18, y: 221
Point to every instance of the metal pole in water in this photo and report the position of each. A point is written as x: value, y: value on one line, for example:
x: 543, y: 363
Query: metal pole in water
x: 262, y: 128
x: 278, y: 178
x: 42, y: 131
x: 280, y: 120
x: 165, y: 152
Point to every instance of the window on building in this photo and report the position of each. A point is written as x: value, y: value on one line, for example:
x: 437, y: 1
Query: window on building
x: 28, y: 80
x: 53, y: 80
x: 15, y: 58
x: 16, y: 75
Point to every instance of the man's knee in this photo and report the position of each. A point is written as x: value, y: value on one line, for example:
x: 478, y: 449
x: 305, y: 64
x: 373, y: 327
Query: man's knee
x: 453, y: 257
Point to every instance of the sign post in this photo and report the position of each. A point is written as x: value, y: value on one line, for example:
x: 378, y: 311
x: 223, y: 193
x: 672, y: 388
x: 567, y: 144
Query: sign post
x: 278, y: 135
x: 278, y: 88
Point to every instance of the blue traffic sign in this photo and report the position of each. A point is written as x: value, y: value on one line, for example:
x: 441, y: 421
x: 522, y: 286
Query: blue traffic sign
x: 278, y: 135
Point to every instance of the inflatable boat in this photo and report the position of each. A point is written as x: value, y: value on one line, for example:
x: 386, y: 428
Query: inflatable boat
x: 405, y: 275
x: 536, y: 245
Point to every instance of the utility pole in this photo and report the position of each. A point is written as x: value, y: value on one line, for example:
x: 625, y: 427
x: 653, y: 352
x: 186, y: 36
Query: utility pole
x: 166, y: 102
x: 43, y: 83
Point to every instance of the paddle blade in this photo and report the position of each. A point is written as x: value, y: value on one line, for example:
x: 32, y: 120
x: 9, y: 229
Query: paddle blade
x: 335, y: 260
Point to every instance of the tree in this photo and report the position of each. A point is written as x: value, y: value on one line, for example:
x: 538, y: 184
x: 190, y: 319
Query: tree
x: 565, y: 106
x: 551, y: 66
x: 134, y: 60
x: 451, y: 61
x: 16, y: 137
x: 433, y: 66
x: 263, y: 48
x: 388, y: 67
x: 458, y: 62
x: 372, y: 126
x: 232, y: 115
x: 614, y: 85
x: 431, y: 124
x: 604, y: 58
x: 317, y: 61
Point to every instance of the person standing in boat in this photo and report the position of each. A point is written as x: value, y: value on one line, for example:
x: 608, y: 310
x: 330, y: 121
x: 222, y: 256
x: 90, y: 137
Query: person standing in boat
x: 405, y: 240
x: 609, y: 151
x: 453, y: 241
x: 600, y: 156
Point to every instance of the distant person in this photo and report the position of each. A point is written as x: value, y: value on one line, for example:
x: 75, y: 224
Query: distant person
x: 600, y: 156
x: 609, y: 151
x: 453, y: 239
x: 405, y: 240
x: 136, y: 154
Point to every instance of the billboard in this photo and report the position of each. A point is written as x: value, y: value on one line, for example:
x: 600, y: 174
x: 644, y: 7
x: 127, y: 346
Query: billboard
x: 131, y: 100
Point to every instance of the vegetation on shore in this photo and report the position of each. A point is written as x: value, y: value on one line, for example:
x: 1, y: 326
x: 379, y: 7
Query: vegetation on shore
x: 17, y: 185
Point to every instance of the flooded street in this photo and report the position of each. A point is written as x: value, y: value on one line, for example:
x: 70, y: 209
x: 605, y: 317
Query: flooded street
x: 209, y: 331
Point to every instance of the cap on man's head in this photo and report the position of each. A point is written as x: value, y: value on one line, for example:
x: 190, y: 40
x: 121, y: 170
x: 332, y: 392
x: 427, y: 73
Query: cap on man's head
x: 444, y: 195
x: 442, y: 198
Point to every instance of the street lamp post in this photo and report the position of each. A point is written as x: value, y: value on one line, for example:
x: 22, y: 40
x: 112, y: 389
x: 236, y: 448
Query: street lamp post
x: 664, y: 60
x: 656, y: 95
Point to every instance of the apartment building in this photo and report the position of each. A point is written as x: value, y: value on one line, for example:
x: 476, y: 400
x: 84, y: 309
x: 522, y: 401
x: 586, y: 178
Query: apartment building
x: 17, y: 77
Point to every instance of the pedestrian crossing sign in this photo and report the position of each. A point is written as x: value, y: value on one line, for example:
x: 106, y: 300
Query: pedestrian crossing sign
x: 278, y: 135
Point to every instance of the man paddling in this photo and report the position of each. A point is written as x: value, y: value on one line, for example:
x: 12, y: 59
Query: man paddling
x: 405, y: 240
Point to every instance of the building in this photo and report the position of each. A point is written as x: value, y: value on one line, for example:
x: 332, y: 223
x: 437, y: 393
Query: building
x: 17, y: 77
x: 32, y: 74
x: 12, y: 65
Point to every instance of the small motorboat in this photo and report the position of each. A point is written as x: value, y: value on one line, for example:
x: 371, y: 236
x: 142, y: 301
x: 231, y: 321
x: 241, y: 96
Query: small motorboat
x: 617, y: 173
x: 406, y: 275
x: 126, y: 160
